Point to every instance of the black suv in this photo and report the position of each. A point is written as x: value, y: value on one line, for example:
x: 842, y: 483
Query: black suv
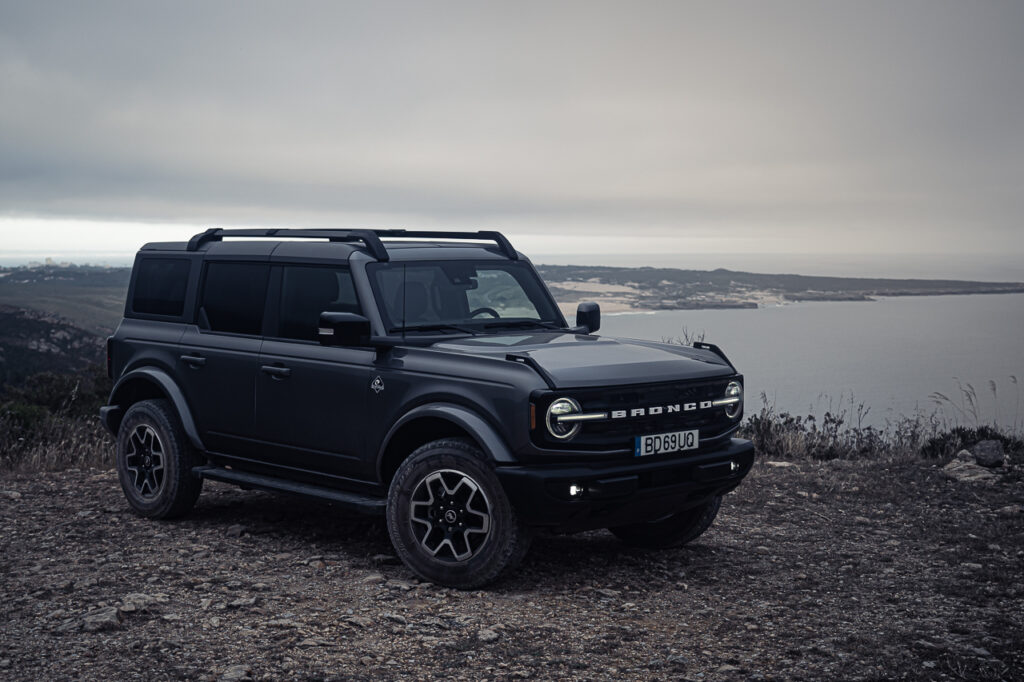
x: 428, y: 377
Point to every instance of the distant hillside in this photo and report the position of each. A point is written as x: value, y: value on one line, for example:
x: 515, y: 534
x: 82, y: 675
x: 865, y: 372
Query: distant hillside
x: 90, y: 297
x: 32, y: 341
x: 670, y: 288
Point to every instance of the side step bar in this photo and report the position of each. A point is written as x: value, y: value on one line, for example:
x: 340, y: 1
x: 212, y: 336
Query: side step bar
x: 364, y: 504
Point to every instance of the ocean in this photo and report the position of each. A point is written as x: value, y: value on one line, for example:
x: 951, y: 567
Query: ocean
x: 891, y: 355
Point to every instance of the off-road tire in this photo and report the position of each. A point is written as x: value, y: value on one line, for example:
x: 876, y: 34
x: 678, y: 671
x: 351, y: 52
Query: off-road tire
x: 430, y: 486
x: 672, y: 531
x: 151, y: 433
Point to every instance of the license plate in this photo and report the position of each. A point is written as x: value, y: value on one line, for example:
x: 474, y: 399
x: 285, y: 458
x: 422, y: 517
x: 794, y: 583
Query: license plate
x: 666, y: 442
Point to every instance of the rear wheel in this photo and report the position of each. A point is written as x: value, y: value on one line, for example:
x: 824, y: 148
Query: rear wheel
x: 674, y: 530
x: 449, y: 518
x: 155, y: 460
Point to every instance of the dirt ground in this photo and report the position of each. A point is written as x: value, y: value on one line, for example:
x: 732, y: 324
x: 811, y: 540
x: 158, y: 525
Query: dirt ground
x: 812, y: 571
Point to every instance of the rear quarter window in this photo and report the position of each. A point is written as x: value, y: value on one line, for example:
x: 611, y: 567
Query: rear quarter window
x: 160, y: 285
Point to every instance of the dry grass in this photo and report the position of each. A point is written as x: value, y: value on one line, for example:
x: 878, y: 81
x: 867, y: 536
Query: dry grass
x: 50, y: 423
x: 57, y: 442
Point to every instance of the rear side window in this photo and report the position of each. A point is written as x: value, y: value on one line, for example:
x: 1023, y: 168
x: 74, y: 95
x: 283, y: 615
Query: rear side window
x: 233, y: 298
x: 308, y: 291
x: 160, y: 285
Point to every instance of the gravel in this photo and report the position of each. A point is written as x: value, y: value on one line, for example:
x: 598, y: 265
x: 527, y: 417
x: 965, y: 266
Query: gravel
x: 817, y: 570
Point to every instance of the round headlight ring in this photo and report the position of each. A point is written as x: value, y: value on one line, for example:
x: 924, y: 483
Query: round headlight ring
x: 734, y: 390
x: 559, y: 407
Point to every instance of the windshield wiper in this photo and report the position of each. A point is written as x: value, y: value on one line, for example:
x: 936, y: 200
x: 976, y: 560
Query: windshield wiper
x: 524, y: 324
x: 434, y: 328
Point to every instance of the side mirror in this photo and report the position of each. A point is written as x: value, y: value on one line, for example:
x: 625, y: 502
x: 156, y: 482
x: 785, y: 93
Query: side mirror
x: 343, y: 329
x: 588, y: 317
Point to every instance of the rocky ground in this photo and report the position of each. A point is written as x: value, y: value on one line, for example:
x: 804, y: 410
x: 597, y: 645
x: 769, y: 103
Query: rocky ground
x: 812, y: 571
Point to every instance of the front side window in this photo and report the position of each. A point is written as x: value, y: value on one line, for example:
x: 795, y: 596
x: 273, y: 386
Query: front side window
x: 468, y: 294
x: 308, y: 291
x: 234, y: 296
x: 160, y: 285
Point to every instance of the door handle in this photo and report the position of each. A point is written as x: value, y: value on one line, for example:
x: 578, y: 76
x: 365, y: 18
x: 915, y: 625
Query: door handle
x: 194, y: 361
x: 276, y: 372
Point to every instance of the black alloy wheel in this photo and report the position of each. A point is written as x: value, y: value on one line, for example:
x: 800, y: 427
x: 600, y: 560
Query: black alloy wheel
x: 155, y: 460
x: 449, y: 518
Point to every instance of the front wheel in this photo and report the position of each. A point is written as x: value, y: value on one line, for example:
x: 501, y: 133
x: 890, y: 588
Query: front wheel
x: 449, y: 518
x: 674, y: 530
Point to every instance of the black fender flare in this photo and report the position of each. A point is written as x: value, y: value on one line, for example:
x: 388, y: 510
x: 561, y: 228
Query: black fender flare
x: 489, y: 440
x: 115, y: 410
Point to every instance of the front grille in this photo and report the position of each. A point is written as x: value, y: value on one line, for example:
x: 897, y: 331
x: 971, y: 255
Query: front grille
x: 713, y: 424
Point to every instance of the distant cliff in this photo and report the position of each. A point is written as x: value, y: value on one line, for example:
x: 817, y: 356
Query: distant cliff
x: 621, y: 289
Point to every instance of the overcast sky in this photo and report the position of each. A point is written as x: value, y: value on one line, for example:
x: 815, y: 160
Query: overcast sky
x: 574, y: 127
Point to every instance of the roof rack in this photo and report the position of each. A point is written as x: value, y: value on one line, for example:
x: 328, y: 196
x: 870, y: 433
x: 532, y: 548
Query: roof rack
x: 371, y: 238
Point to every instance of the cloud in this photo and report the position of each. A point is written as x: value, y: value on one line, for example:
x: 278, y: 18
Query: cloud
x: 901, y: 124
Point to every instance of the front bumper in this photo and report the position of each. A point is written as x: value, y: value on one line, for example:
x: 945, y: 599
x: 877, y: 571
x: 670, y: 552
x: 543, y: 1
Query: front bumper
x: 621, y: 493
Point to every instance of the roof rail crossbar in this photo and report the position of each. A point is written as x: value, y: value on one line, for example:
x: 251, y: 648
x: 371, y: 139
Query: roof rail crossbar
x: 372, y: 238
x: 504, y: 245
x: 368, y: 237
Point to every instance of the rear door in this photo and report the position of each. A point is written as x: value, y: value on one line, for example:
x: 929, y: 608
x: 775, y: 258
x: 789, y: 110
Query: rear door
x: 311, y: 399
x: 219, y: 356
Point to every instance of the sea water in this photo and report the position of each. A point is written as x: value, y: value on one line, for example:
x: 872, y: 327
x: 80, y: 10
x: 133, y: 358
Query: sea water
x: 891, y: 355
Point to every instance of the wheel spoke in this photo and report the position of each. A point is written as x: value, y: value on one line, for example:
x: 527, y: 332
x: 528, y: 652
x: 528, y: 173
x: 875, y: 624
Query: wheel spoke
x: 449, y: 515
x: 144, y: 461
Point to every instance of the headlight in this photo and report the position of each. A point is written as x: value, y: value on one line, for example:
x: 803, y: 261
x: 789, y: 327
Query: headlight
x: 734, y: 396
x: 562, y: 406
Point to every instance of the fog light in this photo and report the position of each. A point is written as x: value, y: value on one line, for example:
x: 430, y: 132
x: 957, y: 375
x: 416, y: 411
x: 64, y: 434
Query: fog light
x: 575, y: 490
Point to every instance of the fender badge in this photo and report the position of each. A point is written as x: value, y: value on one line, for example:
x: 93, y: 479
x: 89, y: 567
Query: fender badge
x: 734, y: 466
x: 377, y: 385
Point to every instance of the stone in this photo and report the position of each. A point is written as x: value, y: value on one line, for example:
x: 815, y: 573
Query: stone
x: 235, y: 531
x: 237, y: 673
x: 10, y: 494
x: 605, y: 592
x: 780, y: 465
x: 372, y: 578
x: 728, y: 669
x: 282, y: 623
x: 240, y: 603
x: 1010, y: 510
x: 138, y: 601
x: 487, y: 635
x: 387, y: 559
x: 359, y: 621
x: 313, y: 641
x: 964, y: 469
x: 988, y: 453
x: 107, y: 618
x: 396, y: 618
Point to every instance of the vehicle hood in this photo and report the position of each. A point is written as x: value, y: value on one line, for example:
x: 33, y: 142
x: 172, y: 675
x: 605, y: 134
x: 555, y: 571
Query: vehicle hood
x: 581, y: 360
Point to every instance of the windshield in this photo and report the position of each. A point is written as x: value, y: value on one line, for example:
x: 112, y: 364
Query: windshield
x: 466, y: 296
